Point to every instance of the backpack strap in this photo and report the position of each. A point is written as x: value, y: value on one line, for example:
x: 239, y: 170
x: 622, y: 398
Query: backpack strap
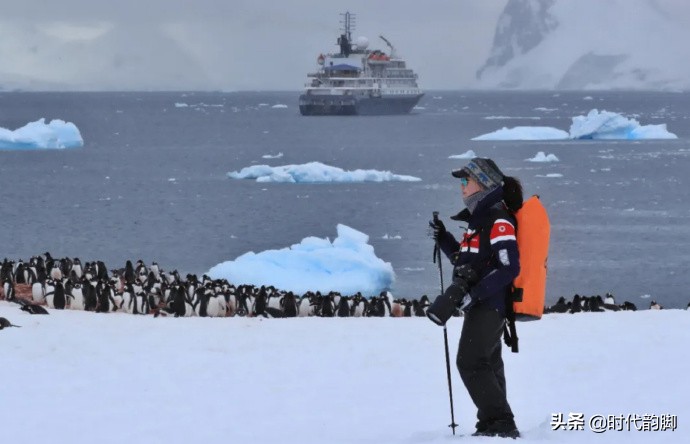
x: 510, y: 336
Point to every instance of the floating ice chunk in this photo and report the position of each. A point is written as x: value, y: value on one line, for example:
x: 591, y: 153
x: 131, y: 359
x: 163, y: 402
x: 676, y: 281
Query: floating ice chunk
x: 525, y: 133
x: 57, y: 134
x: 608, y: 125
x: 541, y: 157
x: 274, y: 156
x: 469, y: 154
x: 347, y: 265
x: 279, y: 106
x: 181, y: 105
x: 315, y: 172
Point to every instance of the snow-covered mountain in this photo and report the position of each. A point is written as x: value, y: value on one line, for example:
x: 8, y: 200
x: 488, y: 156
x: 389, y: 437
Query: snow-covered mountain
x: 589, y: 44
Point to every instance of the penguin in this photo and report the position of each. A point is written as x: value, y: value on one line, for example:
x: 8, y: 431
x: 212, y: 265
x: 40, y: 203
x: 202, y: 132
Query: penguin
x: 397, y: 308
x: 417, y: 309
x: 327, y: 307
x: 8, y: 289
x: 155, y: 269
x: 77, y: 300
x: 655, y: 306
x: 34, y: 309
x: 37, y: 292
x: 77, y: 269
x: 216, y: 306
x: 260, y: 303
x: 359, y: 305
x: 576, y: 306
x: 343, y: 307
x: 129, y: 272
x: 304, y: 307
x: 560, y: 306
x: 19, y: 277
x: 56, y: 272
x: 288, y: 304
x: 628, y: 306
x: 56, y: 298
x: 89, y: 292
x: 4, y: 323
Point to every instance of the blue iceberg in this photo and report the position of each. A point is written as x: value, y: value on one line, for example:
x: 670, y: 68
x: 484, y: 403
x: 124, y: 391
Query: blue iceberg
x: 347, y: 265
x: 595, y: 125
x: 57, y: 134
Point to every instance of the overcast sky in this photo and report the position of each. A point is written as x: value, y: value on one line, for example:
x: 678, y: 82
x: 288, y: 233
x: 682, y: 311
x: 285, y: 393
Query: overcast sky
x: 229, y: 44
x: 239, y: 44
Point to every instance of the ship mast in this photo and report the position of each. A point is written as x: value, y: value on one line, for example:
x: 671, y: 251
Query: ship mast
x: 347, y: 22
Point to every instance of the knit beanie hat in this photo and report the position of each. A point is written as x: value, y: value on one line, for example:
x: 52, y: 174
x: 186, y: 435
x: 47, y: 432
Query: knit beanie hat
x: 483, y: 170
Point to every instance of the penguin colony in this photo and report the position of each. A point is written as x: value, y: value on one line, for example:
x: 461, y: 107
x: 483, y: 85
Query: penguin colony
x: 140, y: 289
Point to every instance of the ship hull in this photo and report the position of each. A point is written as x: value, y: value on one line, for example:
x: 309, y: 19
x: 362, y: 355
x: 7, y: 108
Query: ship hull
x: 324, y: 105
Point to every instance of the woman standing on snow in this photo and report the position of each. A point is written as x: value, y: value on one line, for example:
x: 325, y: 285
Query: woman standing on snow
x: 485, y: 261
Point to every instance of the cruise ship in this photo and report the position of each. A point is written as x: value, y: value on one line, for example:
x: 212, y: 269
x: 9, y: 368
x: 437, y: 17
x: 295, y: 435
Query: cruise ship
x: 359, y: 81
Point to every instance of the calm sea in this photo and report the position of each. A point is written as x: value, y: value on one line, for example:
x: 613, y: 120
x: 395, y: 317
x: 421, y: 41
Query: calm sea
x: 150, y: 183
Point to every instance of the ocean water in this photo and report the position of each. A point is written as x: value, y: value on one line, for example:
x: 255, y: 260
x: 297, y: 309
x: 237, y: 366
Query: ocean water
x: 150, y: 183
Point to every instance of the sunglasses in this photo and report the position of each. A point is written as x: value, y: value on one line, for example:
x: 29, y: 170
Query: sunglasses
x: 464, y: 181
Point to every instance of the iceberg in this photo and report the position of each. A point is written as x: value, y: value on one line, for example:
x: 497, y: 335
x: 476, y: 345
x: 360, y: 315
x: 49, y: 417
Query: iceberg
x: 57, y: 134
x: 609, y: 125
x: 525, y: 133
x: 469, y: 154
x: 604, y: 125
x: 315, y: 172
x: 541, y: 157
x: 347, y: 265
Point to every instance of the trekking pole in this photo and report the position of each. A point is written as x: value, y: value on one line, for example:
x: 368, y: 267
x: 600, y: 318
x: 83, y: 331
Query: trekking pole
x: 437, y: 255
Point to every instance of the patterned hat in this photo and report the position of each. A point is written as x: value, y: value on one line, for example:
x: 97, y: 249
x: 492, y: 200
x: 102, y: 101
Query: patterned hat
x: 483, y: 170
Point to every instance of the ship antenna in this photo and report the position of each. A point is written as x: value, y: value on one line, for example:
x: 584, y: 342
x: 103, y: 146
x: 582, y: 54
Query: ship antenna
x: 348, y: 22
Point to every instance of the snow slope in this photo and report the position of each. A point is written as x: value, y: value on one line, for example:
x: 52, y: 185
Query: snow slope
x: 78, y: 377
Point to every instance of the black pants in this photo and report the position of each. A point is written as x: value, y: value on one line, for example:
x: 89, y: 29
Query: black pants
x: 480, y: 364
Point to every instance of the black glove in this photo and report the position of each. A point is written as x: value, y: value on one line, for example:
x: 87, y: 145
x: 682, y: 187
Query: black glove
x: 466, y: 274
x: 438, y: 227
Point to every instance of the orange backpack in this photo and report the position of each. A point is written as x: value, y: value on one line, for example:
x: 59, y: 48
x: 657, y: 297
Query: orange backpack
x: 529, y: 287
x: 533, y: 235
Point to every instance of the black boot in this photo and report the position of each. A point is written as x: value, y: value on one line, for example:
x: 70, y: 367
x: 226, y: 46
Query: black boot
x: 504, y: 428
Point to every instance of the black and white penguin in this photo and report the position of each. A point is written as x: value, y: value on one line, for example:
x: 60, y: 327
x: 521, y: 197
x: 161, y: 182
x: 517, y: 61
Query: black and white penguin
x: 76, y: 296
x: 327, y: 306
x: 343, y: 308
x: 628, y: 306
x: 38, y: 292
x: 576, y: 306
x: 56, y: 298
x: 260, y: 303
x: 560, y: 306
x: 129, y: 274
x: 288, y: 304
x: 359, y: 305
x: 654, y: 305
x: 8, y: 289
x: 77, y: 268
x: 56, y: 272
